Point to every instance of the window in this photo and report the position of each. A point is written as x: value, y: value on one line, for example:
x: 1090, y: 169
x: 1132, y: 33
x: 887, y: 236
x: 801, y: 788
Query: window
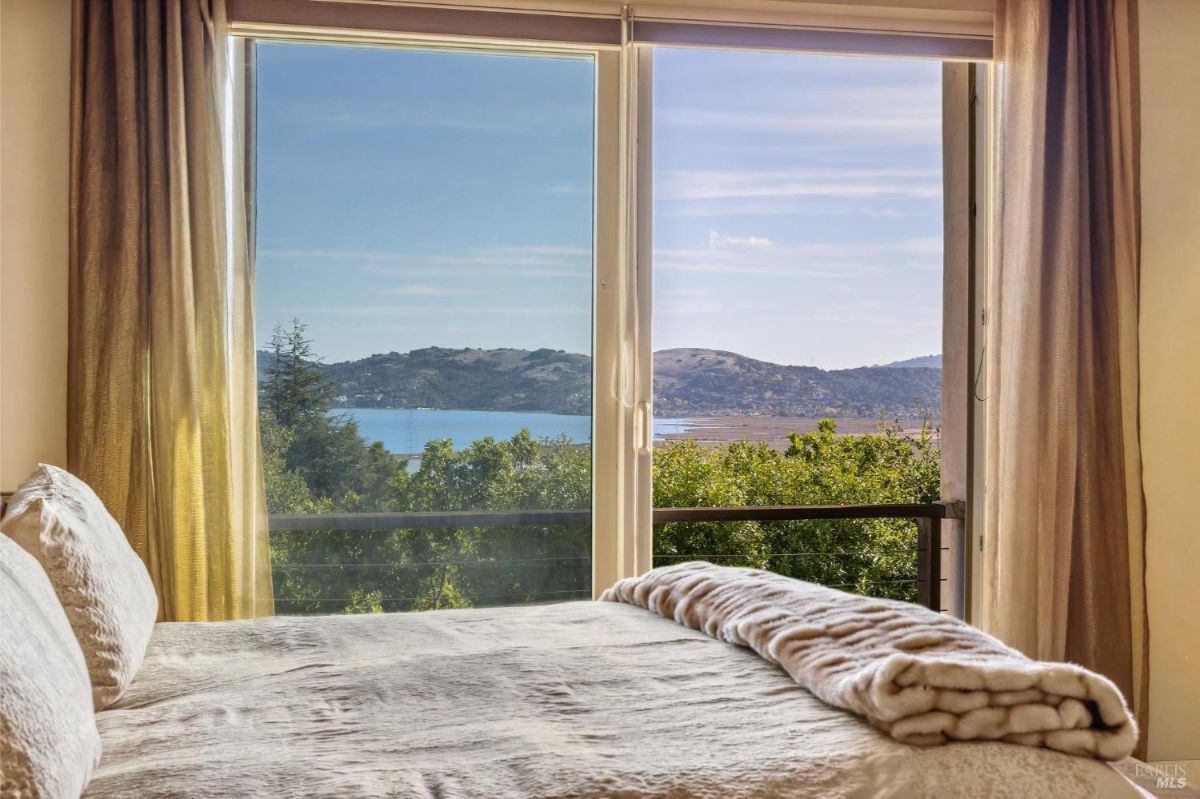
x: 797, y: 307
x: 424, y: 250
x: 557, y: 310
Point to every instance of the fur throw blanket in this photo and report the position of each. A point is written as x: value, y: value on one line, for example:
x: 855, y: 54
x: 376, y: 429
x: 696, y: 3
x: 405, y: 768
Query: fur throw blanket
x: 923, y: 677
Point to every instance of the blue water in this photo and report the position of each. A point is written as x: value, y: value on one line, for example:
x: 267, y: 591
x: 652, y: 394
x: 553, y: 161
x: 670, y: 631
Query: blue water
x: 405, y: 431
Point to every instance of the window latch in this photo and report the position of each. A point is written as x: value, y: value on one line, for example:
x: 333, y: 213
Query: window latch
x: 643, y: 426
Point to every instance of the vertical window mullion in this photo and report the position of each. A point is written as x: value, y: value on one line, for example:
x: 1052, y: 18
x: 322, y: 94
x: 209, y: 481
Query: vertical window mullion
x: 641, y: 86
x: 610, y: 443
x: 621, y: 541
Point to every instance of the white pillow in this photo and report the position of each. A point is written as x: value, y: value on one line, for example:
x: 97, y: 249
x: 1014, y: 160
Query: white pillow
x: 49, y: 745
x: 100, y: 581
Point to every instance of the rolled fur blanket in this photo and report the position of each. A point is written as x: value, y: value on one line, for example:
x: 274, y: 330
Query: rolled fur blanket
x: 923, y: 677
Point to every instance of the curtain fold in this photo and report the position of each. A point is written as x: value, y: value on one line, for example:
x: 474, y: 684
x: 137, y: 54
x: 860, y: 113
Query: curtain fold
x: 162, y: 402
x: 1063, y: 563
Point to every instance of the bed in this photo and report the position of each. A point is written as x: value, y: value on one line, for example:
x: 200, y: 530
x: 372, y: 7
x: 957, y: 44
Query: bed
x: 577, y: 699
x: 690, y: 682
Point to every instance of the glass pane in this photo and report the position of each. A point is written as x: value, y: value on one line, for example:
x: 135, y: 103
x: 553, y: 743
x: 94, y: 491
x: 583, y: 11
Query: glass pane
x: 797, y: 306
x: 424, y: 300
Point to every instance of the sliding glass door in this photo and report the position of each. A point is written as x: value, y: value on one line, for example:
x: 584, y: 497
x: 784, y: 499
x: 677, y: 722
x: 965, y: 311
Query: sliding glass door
x: 535, y: 320
x: 798, y: 312
x: 424, y: 250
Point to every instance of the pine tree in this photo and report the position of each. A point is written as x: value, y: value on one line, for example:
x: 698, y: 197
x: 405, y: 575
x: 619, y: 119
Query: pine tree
x: 294, y: 387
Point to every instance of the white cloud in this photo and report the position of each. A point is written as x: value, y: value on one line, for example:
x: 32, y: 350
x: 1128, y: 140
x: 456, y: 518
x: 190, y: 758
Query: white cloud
x: 718, y: 240
x: 723, y: 193
x: 708, y: 185
x: 910, y: 125
x: 813, y: 259
x: 361, y: 255
x: 554, y: 250
x: 437, y: 309
x: 421, y: 290
x: 529, y: 260
x: 878, y: 111
x: 543, y: 119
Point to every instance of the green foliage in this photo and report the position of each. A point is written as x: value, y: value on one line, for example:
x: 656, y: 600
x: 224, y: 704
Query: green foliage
x: 393, y: 570
x: 294, y: 387
x: 317, y: 462
x: 873, y: 556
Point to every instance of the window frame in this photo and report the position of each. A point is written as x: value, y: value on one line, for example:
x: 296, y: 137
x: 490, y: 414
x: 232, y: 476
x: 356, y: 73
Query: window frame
x: 966, y: 132
x: 612, y: 275
x: 622, y: 357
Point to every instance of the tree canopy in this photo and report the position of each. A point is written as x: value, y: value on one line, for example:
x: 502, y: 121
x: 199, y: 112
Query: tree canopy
x: 316, y: 461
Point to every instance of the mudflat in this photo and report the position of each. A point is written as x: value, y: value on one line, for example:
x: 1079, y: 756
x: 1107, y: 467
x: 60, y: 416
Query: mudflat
x: 774, y: 430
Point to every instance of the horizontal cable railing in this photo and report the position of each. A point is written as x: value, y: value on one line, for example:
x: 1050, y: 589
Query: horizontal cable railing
x: 927, y: 517
x: 429, y: 520
x: 423, y: 520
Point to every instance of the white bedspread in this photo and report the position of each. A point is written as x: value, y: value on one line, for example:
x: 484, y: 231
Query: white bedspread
x: 579, y: 699
x: 924, y: 677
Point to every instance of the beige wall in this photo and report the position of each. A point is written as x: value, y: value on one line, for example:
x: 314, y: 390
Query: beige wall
x: 34, y: 77
x: 35, y: 63
x: 1170, y: 355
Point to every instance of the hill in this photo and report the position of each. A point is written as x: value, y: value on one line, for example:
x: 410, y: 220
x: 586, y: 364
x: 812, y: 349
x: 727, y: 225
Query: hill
x: 696, y: 382
x: 921, y: 362
x: 469, y: 379
x: 687, y: 383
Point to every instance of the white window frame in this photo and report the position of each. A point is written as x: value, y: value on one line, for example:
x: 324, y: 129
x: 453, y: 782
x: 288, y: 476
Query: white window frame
x: 982, y: 243
x: 622, y: 414
x: 614, y: 494
x: 966, y: 110
x: 617, y: 550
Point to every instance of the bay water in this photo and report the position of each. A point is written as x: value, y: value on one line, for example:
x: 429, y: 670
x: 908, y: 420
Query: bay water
x: 404, y: 431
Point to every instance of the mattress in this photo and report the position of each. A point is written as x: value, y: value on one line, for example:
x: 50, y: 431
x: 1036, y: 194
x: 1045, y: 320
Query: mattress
x: 578, y: 699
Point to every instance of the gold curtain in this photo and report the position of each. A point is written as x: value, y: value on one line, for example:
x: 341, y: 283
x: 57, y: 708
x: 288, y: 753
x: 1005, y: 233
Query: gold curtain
x: 1063, y: 562
x: 161, y: 385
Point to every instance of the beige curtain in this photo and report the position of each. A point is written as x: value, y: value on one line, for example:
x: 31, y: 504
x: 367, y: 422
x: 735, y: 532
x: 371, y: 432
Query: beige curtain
x: 1064, y: 548
x: 161, y: 396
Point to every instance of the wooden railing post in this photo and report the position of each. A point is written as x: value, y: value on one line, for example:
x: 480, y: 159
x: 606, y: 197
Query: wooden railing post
x: 929, y: 563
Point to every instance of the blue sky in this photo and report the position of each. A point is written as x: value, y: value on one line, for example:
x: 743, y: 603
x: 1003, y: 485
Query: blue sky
x: 410, y: 199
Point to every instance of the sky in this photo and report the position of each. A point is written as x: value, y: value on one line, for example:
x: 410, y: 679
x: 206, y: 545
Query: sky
x: 410, y: 199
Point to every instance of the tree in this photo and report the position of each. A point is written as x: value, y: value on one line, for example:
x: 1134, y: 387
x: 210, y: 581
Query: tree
x: 871, y: 556
x: 293, y: 387
x: 317, y: 462
x: 313, y: 458
x: 395, y: 570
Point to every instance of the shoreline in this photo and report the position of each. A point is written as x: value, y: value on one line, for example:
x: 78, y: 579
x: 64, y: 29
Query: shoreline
x: 717, y: 431
x: 707, y: 431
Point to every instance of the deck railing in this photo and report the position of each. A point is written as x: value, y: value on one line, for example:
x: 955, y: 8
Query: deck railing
x: 928, y: 517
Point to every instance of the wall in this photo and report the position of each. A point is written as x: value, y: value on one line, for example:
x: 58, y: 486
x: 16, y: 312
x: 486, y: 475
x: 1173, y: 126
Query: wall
x: 1170, y: 369
x: 35, y: 73
x: 34, y: 86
